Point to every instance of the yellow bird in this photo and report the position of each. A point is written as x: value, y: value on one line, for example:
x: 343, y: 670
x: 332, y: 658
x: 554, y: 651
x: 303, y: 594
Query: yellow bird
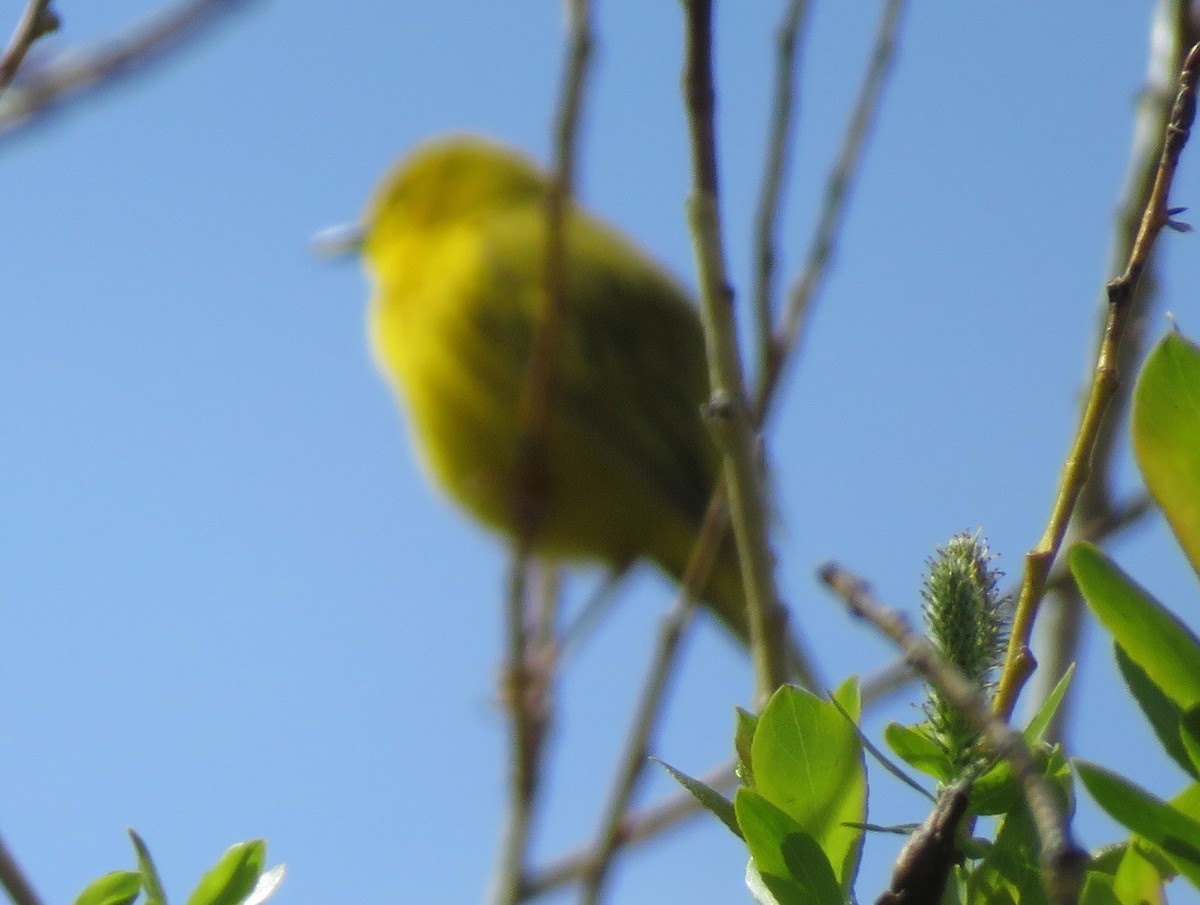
x: 454, y: 242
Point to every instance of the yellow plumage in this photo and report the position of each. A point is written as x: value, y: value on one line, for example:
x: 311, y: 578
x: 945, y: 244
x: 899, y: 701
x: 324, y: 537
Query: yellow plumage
x: 455, y: 243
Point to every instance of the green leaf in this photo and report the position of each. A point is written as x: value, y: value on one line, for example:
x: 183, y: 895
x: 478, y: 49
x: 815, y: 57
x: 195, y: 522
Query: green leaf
x: 1166, y: 436
x: 1165, y: 715
x: 996, y: 791
x: 1154, y: 639
x: 1011, y: 872
x: 713, y: 800
x: 743, y: 737
x: 1169, y: 828
x: 234, y: 876
x: 849, y: 697
x: 121, y: 887
x: 790, y: 862
x: 808, y: 762
x: 1097, y: 890
x: 150, y: 879
x: 1137, y: 880
x: 1189, y: 735
x: 914, y: 746
x: 1041, y: 720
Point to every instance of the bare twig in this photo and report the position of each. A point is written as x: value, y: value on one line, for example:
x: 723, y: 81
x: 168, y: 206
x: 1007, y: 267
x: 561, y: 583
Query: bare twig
x: 1173, y: 31
x: 529, y: 689
x: 841, y: 179
x: 631, y: 765
x: 1018, y: 663
x: 1063, y: 861
x: 73, y: 74
x: 634, y: 828
x: 783, y: 119
x: 13, y: 880
x: 728, y: 411
x: 38, y: 20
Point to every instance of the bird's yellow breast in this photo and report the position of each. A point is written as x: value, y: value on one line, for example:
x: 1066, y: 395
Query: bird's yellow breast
x: 456, y: 249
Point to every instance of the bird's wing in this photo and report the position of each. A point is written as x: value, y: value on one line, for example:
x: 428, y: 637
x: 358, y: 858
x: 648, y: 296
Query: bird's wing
x: 631, y: 369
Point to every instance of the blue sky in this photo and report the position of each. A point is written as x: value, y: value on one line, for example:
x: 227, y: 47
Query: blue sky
x: 231, y: 605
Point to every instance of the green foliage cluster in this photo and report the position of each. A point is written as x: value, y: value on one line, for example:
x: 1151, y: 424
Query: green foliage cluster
x: 237, y: 878
x: 801, y: 808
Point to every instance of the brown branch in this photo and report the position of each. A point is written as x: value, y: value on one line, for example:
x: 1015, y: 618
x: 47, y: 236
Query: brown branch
x: 1173, y: 31
x: 38, y: 20
x: 530, y: 677
x: 72, y: 75
x: 833, y: 210
x: 14, y: 881
x: 1018, y: 664
x: 783, y: 119
x: 1063, y: 861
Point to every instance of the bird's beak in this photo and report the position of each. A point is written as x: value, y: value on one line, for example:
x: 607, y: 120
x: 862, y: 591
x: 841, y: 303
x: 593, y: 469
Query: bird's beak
x: 338, y: 241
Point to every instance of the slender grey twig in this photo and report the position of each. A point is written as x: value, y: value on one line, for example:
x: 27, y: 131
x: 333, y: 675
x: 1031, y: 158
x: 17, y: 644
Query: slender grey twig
x: 75, y: 73
x: 38, y: 19
x: 14, y: 881
x: 844, y: 175
x: 529, y: 678
x: 779, y: 146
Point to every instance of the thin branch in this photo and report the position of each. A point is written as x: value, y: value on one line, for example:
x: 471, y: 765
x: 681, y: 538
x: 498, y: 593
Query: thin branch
x: 1018, y: 663
x: 72, y: 75
x: 783, y: 124
x: 1063, y: 861
x: 631, y: 766
x: 634, y: 828
x: 727, y: 409
x: 14, y: 881
x: 38, y: 20
x: 529, y: 686
x: 1172, y: 33
x: 842, y: 178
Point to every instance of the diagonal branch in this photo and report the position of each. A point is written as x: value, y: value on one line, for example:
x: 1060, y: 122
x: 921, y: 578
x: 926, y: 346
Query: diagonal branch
x: 73, y: 75
x: 1018, y: 664
x: 38, y: 20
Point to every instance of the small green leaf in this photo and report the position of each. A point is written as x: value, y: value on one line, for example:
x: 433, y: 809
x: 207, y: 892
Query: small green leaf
x: 1041, y: 720
x: 914, y: 746
x: 1137, y: 880
x: 121, y: 887
x: 789, y: 861
x: 150, y: 879
x: 769, y: 890
x: 713, y: 800
x: 1154, y: 639
x: 1166, y: 436
x: 808, y: 762
x: 743, y: 737
x: 1165, y: 715
x: 1169, y: 828
x: 996, y: 791
x: 234, y: 876
x: 849, y: 697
